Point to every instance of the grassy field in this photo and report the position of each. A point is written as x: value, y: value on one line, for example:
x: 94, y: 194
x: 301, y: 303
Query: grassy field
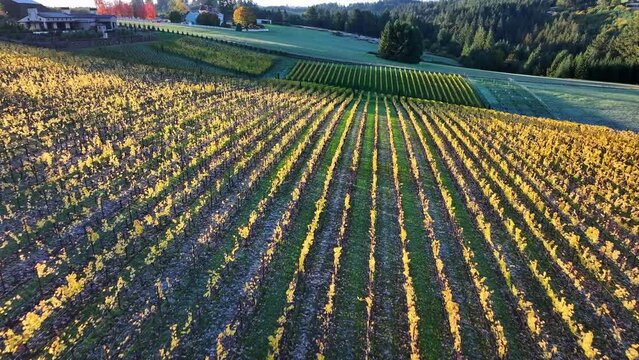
x: 324, y: 45
x: 154, y: 213
x: 147, y: 54
x: 194, y: 55
x: 611, y: 107
x: 510, y: 96
x: 432, y: 58
x: 219, y: 55
x: 289, y: 39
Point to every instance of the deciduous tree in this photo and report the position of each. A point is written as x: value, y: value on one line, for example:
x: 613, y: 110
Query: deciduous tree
x: 149, y: 10
x: 244, y: 15
x: 178, y: 5
x: 117, y: 8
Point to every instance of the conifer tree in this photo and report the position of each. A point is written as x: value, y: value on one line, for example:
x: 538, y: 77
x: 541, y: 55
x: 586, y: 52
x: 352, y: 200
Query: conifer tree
x: 401, y: 41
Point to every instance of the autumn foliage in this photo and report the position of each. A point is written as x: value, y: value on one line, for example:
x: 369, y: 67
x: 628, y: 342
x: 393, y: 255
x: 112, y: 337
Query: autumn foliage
x: 244, y: 15
x: 124, y: 9
x: 233, y: 218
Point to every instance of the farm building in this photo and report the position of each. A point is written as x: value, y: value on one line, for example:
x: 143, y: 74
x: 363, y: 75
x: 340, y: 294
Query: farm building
x: 37, y: 20
x: 264, y: 21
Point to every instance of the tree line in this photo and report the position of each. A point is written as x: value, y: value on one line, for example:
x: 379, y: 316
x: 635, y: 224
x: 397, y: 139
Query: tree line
x: 585, y: 39
x: 565, y: 38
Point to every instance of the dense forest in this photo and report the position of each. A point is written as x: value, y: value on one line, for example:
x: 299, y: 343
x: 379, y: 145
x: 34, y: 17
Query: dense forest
x: 591, y: 39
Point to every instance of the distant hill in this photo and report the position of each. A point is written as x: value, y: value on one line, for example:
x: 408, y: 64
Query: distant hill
x: 564, y: 38
x: 586, y: 39
x: 378, y: 7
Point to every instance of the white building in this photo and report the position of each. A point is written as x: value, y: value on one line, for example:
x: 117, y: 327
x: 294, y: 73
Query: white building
x: 263, y: 21
x: 65, y: 20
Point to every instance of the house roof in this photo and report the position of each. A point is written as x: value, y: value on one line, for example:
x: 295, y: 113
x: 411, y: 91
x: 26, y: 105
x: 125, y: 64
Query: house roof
x: 69, y: 17
x: 53, y: 14
x: 27, y: 2
x: 91, y: 16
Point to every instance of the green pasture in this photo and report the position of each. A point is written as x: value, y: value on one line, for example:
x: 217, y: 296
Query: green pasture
x: 609, y: 104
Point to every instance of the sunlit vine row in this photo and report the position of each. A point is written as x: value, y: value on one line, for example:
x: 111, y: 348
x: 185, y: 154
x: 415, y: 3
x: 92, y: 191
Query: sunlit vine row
x: 483, y: 292
x: 560, y: 304
x: 526, y: 308
x: 249, y: 289
x: 617, y: 248
x: 583, y: 251
x: 222, y: 216
x: 320, y: 206
x: 390, y: 80
x: 217, y: 221
x: 328, y: 309
x: 244, y: 231
x: 591, y: 166
x: 601, y: 307
x: 372, y: 235
x: 162, y: 209
x: 409, y: 290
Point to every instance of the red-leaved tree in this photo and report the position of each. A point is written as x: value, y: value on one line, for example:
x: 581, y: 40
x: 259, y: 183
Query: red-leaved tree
x: 149, y: 10
x: 138, y: 9
x: 124, y: 9
x: 101, y: 7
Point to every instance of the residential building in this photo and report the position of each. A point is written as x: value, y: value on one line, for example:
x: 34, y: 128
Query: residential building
x: 65, y: 20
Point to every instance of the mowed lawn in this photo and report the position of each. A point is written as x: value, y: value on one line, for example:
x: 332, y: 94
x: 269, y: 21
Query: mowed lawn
x: 615, y: 108
x: 306, y: 42
x: 609, y: 104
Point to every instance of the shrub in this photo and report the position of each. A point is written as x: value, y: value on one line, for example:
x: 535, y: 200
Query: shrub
x: 207, y: 19
x: 176, y: 17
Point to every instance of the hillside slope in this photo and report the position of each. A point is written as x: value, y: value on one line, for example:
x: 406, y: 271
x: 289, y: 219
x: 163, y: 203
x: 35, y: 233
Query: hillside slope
x: 596, y: 40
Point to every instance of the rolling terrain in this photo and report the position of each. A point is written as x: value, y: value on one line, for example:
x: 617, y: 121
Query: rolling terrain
x: 582, y: 99
x: 153, y: 212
